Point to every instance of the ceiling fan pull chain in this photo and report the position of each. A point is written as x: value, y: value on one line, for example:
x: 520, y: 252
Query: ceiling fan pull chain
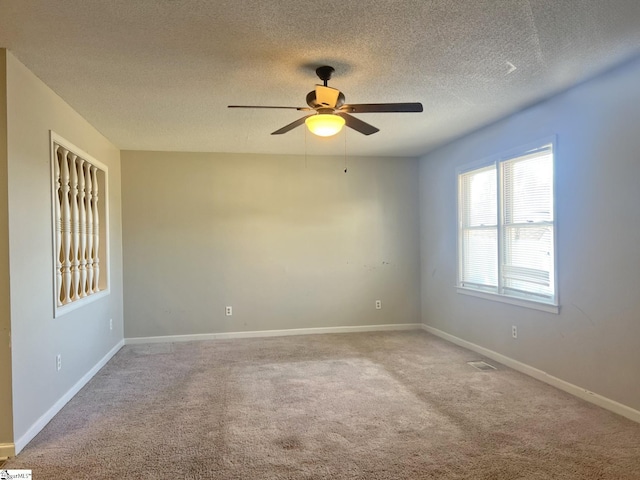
x: 345, y: 150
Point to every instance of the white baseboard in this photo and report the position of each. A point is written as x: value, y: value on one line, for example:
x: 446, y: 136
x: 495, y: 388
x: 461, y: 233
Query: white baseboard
x: 575, y: 390
x: 271, y: 333
x: 49, y: 414
x: 7, y: 450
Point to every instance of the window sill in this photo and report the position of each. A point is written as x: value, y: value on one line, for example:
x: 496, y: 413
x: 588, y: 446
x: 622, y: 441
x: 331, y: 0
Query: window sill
x: 70, y: 307
x: 520, y: 302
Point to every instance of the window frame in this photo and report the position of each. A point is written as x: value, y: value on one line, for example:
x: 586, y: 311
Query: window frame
x: 551, y: 306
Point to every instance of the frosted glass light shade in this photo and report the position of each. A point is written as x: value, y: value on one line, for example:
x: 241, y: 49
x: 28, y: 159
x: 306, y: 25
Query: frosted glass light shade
x: 324, y: 125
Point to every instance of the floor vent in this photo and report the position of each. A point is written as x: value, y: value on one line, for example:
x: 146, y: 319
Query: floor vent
x: 480, y: 365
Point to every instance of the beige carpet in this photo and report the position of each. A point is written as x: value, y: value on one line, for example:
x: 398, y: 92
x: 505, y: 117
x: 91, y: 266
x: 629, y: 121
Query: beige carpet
x: 400, y: 405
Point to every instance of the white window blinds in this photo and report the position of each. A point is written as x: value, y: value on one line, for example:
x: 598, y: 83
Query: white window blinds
x: 479, y: 212
x: 506, y: 227
x: 527, y: 234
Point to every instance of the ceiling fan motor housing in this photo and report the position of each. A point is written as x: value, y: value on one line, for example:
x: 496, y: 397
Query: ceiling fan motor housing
x: 313, y: 102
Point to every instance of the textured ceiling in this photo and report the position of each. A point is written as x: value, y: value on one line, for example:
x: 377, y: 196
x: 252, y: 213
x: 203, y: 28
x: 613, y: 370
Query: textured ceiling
x: 158, y: 74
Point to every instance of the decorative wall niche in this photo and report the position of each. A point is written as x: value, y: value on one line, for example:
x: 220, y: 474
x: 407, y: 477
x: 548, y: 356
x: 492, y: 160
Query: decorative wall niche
x: 80, y: 204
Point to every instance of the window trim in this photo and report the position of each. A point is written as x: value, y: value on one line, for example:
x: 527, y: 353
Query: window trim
x: 552, y: 306
x: 59, y: 311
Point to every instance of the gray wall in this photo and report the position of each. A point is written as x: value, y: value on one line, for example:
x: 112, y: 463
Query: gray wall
x: 287, y: 243
x: 6, y: 410
x: 82, y: 337
x: 593, y: 342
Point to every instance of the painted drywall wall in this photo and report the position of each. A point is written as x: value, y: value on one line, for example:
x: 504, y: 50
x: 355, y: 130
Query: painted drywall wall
x: 6, y: 409
x: 593, y: 342
x: 287, y: 242
x: 83, y: 336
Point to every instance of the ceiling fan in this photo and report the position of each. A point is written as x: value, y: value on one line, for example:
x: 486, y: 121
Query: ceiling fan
x: 330, y: 113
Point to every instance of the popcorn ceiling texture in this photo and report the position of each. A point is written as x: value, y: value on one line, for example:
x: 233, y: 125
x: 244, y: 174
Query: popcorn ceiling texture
x: 374, y: 406
x: 158, y: 75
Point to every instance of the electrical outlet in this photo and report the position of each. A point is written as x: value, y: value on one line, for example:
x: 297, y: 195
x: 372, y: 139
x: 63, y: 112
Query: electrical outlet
x: 111, y: 324
x: 378, y: 304
x: 228, y: 311
x: 58, y: 362
x: 514, y: 331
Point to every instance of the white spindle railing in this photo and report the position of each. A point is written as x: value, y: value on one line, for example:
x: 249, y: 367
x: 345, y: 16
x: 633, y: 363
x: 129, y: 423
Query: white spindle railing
x: 89, y: 224
x: 82, y: 230
x: 65, y: 208
x: 96, y: 230
x: 77, y: 226
x: 58, y: 222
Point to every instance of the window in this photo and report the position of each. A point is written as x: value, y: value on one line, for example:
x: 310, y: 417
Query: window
x: 506, y: 234
x: 80, y: 240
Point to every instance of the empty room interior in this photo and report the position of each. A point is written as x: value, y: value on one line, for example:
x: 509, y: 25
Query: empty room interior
x: 410, y: 248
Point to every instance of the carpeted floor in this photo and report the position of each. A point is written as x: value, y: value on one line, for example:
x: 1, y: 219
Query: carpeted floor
x: 398, y: 405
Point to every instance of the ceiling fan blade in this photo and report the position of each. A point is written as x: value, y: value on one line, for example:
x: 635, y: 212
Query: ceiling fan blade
x: 327, y: 96
x: 291, y: 126
x: 358, y: 124
x: 302, y: 109
x: 382, y: 107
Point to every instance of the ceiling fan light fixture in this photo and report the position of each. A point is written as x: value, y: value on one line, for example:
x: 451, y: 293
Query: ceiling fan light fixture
x: 324, y: 124
x: 331, y: 113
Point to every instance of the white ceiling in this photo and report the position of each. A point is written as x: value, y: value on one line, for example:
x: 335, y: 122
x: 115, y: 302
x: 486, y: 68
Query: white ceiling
x: 158, y: 74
